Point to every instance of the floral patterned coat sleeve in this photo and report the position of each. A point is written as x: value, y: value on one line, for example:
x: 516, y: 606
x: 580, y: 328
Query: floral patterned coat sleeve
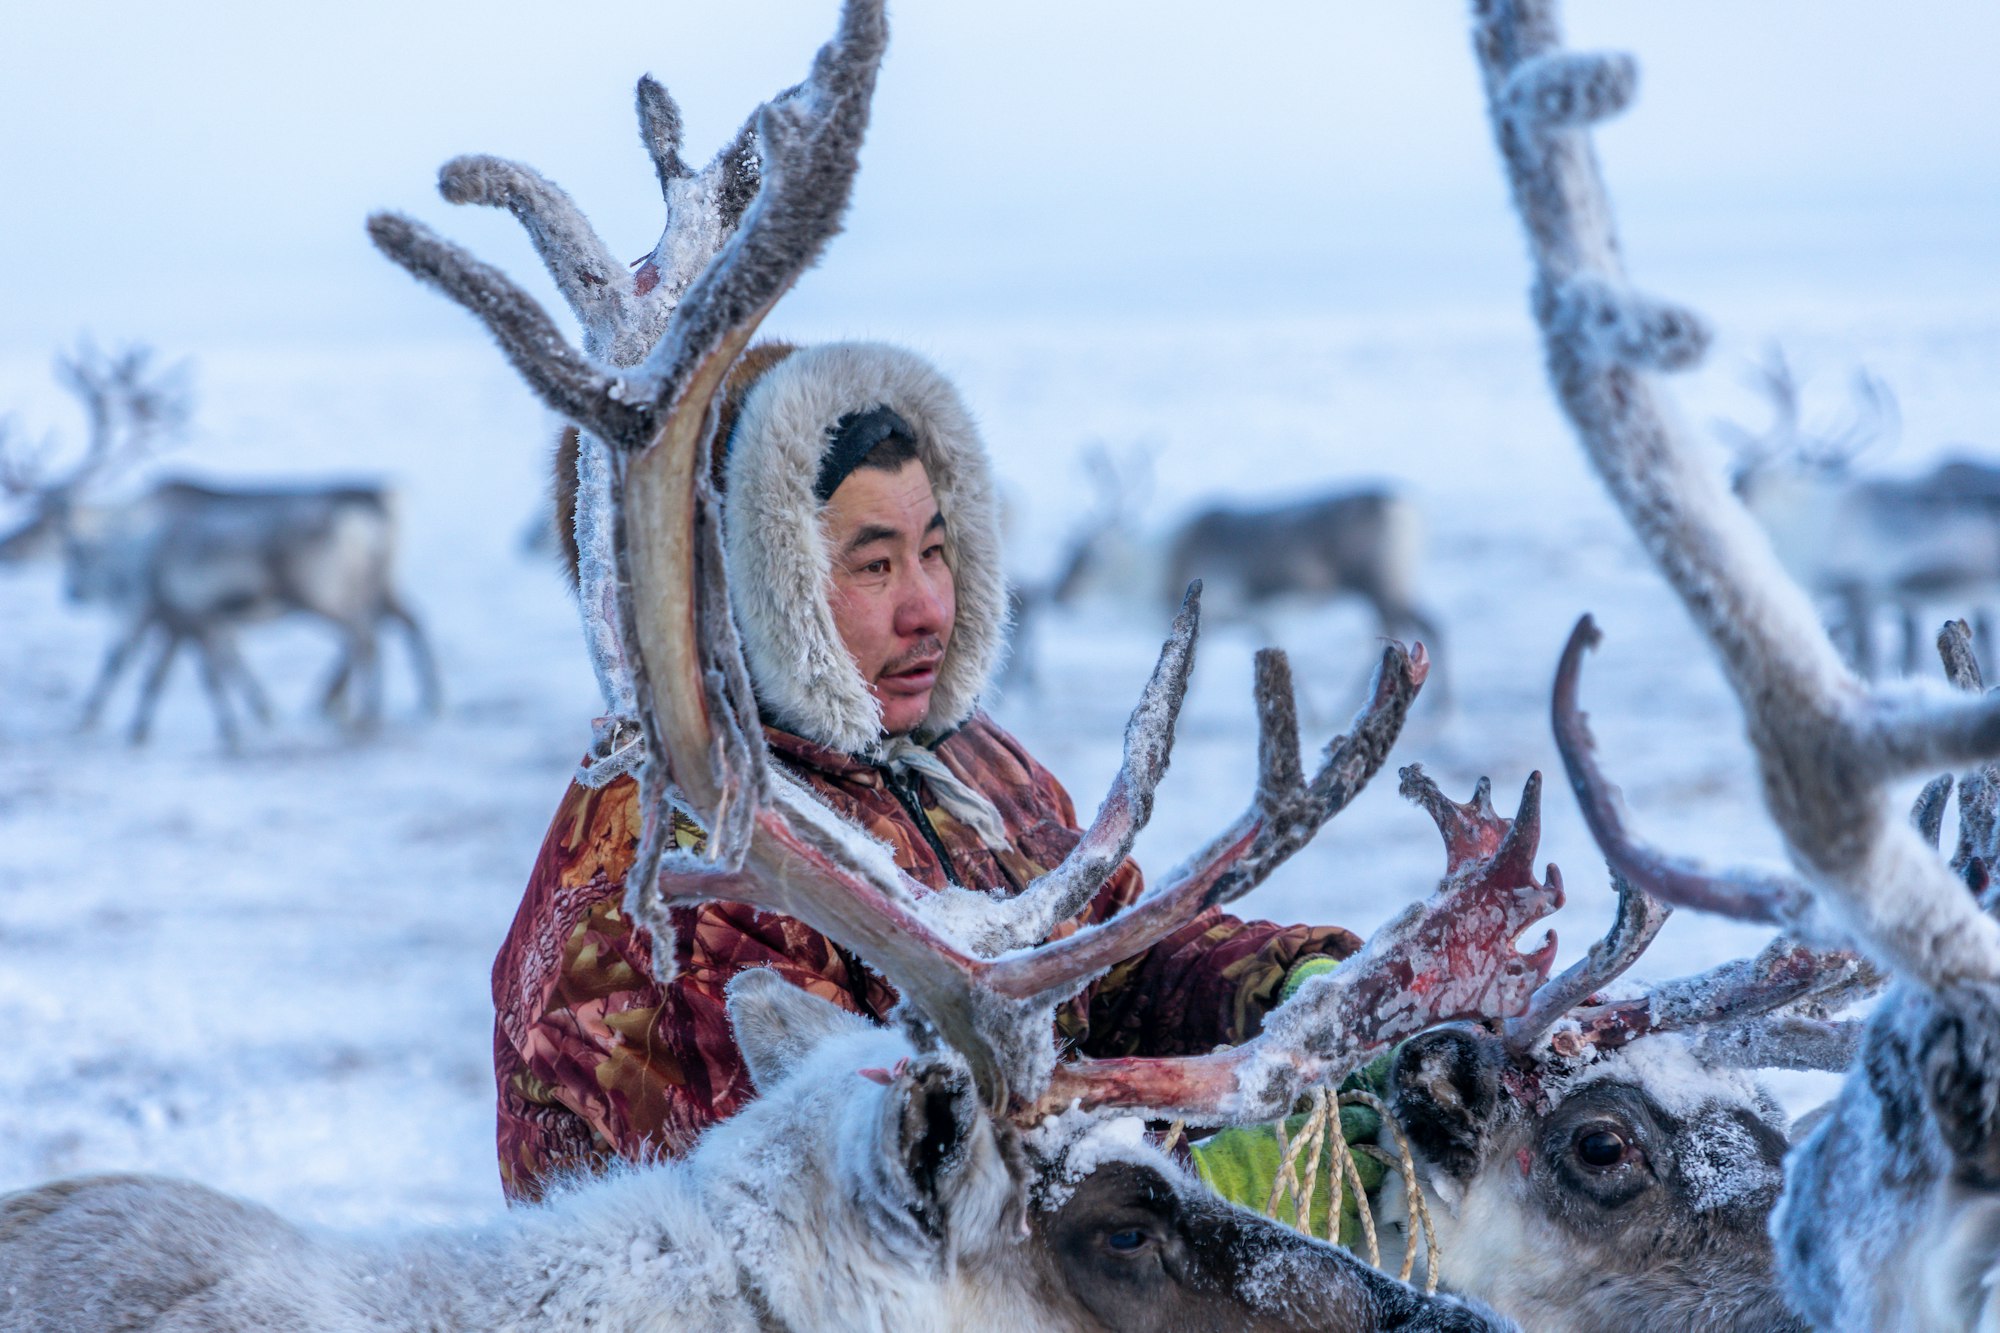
x: 594, y: 1059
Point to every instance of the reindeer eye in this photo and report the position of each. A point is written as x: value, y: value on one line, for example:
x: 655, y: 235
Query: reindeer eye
x: 1601, y: 1148
x: 1129, y: 1241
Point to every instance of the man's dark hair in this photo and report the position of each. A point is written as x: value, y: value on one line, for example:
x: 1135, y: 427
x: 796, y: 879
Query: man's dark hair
x: 877, y: 438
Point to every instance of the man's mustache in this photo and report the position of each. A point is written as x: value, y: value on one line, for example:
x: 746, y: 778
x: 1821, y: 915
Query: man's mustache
x: 922, y: 652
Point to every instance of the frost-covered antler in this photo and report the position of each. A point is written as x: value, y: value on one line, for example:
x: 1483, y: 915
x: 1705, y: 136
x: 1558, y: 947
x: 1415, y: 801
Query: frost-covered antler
x: 692, y: 693
x: 130, y: 402
x: 1285, y: 812
x: 1638, y: 921
x: 1827, y: 745
x: 1450, y: 957
x: 1771, y: 1011
x: 1796, y: 984
x: 624, y: 310
x: 769, y: 842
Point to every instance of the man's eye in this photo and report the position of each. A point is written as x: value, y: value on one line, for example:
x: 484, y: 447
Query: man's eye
x: 934, y: 552
x: 875, y: 567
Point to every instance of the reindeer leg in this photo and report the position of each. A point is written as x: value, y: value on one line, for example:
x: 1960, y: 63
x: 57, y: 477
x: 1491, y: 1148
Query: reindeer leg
x: 333, y: 696
x: 149, y: 695
x: 1912, y: 638
x: 421, y: 656
x: 114, y: 665
x: 1857, y: 622
x: 210, y: 661
x: 253, y: 690
x: 365, y: 659
x: 230, y: 658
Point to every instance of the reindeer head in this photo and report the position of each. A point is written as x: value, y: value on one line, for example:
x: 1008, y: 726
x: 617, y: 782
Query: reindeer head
x: 1606, y: 1161
x: 1633, y: 1193
x: 131, y: 405
x: 1786, y: 452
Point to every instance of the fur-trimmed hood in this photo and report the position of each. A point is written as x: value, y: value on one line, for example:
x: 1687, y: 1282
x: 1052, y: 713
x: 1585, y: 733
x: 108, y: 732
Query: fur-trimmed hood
x: 779, y: 567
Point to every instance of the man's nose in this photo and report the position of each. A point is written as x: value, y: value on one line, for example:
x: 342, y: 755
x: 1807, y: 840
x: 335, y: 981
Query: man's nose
x: 921, y: 608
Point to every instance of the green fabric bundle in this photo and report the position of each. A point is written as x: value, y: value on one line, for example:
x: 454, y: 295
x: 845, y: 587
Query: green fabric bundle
x: 1242, y: 1164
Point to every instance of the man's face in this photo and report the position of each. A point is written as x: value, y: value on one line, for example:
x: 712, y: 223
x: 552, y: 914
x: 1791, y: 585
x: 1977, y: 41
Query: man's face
x: 892, y: 595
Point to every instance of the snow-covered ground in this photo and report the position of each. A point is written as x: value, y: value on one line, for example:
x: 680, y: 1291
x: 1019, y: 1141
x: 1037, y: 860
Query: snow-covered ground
x: 270, y: 972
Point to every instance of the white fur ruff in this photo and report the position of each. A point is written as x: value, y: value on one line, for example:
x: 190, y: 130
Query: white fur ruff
x: 778, y: 562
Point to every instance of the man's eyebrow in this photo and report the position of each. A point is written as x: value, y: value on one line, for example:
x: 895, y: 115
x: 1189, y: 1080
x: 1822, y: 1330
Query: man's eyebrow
x: 873, y: 532
x: 876, y: 532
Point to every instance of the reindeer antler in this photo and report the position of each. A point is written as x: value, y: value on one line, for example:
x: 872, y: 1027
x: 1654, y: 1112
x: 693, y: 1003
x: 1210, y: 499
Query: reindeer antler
x: 770, y: 843
x: 1786, y: 975
x: 1638, y: 921
x: 1771, y: 1009
x: 1773, y: 378
x: 1827, y: 745
x: 1746, y: 894
x: 130, y: 404
x: 623, y: 309
x: 1448, y: 958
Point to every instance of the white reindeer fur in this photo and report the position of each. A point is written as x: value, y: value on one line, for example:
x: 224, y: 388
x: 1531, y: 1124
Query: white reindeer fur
x: 1885, y: 1224
x: 793, y: 1214
x: 778, y: 562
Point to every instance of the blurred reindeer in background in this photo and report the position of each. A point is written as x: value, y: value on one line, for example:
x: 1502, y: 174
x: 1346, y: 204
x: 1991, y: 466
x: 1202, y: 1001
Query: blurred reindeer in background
x: 1867, y: 543
x: 189, y: 563
x: 1365, y: 542
x: 1120, y: 486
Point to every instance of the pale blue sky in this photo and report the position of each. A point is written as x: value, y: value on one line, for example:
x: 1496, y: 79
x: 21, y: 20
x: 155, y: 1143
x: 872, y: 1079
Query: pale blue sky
x: 199, y: 173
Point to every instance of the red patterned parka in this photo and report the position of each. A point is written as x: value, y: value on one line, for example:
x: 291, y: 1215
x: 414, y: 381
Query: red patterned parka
x: 595, y: 1060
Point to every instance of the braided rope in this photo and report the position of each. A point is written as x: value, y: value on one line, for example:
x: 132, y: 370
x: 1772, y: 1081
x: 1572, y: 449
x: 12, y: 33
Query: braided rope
x: 1288, y: 1153
x: 1419, y: 1206
x: 1362, y: 1210
x: 1322, y: 1134
x: 1316, y: 1136
x: 1287, y: 1173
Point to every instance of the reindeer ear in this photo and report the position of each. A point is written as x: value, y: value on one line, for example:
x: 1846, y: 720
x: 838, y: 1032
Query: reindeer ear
x: 924, y: 1131
x: 1444, y: 1088
x: 778, y: 1024
x: 937, y: 1118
